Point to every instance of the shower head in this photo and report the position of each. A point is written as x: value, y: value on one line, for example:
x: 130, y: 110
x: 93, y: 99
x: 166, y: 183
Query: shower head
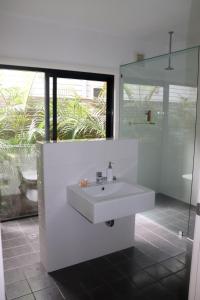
x: 169, y: 67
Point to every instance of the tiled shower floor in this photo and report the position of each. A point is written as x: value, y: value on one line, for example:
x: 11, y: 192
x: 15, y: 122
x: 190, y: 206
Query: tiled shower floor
x: 156, y: 268
x: 173, y: 214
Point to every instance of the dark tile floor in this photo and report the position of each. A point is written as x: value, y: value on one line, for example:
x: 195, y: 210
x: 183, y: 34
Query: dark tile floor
x: 173, y: 214
x: 156, y: 268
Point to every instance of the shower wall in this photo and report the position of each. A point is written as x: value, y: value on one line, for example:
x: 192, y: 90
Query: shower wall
x: 133, y: 124
x: 178, y: 142
x: 159, y: 108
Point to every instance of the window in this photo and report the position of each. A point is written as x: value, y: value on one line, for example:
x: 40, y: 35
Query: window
x: 44, y: 104
x: 75, y: 112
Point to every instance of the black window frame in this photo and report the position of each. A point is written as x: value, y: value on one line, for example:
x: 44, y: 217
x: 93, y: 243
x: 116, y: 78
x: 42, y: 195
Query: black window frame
x: 58, y: 73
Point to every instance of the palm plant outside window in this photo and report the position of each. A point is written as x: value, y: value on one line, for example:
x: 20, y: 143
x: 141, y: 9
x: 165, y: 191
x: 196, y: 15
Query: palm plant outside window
x: 81, y: 113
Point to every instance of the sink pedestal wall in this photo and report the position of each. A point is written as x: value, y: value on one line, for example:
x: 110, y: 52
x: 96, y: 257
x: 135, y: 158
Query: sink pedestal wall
x: 66, y: 237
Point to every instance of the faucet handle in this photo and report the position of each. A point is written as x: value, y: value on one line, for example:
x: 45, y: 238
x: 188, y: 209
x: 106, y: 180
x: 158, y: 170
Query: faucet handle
x: 98, y: 174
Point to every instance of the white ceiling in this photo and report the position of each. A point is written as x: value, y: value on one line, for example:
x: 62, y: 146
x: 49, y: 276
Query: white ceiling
x: 96, y: 32
x: 136, y: 18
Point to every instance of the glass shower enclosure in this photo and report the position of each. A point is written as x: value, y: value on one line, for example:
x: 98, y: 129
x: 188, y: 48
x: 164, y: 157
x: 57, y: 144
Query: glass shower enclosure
x: 158, y: 107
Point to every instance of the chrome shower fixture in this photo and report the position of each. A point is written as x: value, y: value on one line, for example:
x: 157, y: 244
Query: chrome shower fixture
x: 170, y: 68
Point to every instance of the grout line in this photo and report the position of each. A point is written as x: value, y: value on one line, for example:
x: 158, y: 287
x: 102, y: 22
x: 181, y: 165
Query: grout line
x: 59, y: 290
x: 168, y: 257
x: 13, y: 247
x: 27, y: 253
x: 162, y: 238
x: 21, y: 264
x: 159, y: 225
x: 148, y: 242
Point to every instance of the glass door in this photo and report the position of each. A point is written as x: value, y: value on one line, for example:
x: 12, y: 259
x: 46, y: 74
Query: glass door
x: 178, y: 153
x: 21, y: 125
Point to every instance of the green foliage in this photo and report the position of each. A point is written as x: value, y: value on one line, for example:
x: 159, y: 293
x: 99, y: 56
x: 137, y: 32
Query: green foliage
x: 22, y: 118
x: 20, y: 121
x: 77, y: 120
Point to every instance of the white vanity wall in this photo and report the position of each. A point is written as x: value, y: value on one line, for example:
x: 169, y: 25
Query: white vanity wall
x: 67, y: 238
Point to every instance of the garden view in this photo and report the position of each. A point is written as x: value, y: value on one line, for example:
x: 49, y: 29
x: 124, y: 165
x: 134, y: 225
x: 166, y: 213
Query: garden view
x: 81, y: 113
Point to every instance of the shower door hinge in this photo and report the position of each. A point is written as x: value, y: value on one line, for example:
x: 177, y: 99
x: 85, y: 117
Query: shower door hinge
x: 198, y: 209
x: 121, y: 76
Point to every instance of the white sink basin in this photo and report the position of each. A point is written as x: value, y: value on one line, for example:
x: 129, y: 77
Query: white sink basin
x: 100, y: 203
x: 111, y: 190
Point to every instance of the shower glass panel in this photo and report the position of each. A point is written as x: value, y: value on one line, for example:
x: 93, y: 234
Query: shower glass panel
x: 158, y: 107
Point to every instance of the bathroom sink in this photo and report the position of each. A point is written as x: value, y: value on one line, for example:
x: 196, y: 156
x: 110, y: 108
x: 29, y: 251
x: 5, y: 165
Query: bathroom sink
x: 110, y: 190
x: 104, y: 202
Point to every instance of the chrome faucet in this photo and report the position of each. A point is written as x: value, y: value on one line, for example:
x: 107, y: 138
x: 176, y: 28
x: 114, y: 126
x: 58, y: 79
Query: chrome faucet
x: 99, y: 178
x: 102, y: 179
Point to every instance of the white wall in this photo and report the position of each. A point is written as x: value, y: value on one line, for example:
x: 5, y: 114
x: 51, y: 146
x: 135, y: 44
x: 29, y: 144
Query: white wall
x: 149, y: 145
x: 67, y: 238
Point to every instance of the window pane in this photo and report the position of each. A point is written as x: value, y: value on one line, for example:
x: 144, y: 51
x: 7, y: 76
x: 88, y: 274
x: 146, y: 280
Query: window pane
x: 81, y: 109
